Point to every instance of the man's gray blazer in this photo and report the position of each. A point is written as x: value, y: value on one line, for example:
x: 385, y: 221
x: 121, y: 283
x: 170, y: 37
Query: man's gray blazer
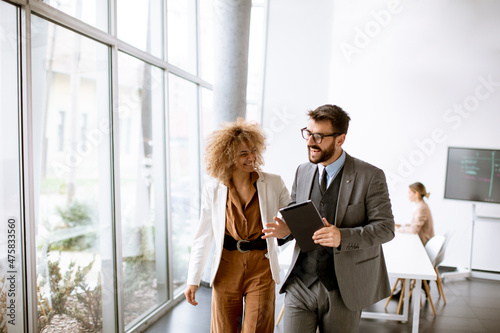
x: 365, y: 220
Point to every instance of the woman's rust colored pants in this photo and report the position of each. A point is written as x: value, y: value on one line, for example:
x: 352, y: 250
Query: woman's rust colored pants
x: 243, y: 276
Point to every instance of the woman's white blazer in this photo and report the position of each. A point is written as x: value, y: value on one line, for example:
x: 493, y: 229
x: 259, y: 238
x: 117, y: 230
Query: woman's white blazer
x: 273, y: 195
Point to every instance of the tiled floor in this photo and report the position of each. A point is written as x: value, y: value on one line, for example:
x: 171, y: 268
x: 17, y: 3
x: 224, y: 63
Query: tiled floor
x: 473, y: 305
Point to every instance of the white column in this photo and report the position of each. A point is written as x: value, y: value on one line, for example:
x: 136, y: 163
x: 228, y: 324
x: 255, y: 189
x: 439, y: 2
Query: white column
x: 232, y: 30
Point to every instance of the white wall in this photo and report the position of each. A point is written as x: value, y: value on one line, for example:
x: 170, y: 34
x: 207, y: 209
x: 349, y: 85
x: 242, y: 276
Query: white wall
x: 411, y: 74
x: 297, y: 77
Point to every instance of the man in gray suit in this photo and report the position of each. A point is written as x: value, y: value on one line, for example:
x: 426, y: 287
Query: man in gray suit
x: 330, y: 285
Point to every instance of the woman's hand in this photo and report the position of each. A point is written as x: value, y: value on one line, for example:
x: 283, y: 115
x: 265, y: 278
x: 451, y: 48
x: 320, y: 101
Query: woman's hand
x: 278, y: 229
x: 189, y: 293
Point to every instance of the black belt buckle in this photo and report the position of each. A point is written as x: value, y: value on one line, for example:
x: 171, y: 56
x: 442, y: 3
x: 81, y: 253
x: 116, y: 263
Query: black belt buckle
x: 238, y: 245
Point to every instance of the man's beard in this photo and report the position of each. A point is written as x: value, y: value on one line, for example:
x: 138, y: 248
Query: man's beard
x: 324, y: 155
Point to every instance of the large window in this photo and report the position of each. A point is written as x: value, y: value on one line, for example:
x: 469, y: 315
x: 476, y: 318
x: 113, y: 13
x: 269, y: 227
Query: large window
x: 111, y: 110
x: 103, y: 114
x: 72, y: 179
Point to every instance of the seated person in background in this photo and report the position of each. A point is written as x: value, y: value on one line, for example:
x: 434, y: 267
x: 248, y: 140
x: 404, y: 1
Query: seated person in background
x: 421, y: 222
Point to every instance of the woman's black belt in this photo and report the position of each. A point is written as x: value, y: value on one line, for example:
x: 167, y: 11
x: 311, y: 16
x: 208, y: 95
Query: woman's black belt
x: 243, y: 245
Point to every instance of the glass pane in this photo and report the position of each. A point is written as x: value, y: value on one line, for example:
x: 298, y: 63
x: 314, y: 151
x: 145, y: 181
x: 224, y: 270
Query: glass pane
x: 142, y: 193
x: 181, y: 32
x: 256, y: 63
x: 206, y: 114
x: 11, y: 293
x: 206, y: 129
x: 93, y: 12
x: 253, y: 112
x: 206, y: 40
x: 184, y: 173
x: 146, y: 31
x: 71, y: 151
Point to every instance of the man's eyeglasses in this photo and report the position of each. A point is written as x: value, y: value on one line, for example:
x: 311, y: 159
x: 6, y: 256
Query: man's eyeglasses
x: 317, y: 137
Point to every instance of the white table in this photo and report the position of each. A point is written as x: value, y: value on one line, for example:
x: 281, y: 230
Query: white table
x: 407, y: 259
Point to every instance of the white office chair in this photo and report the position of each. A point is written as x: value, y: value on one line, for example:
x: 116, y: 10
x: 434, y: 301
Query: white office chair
x: 434, y: 248
x: 436, y: 251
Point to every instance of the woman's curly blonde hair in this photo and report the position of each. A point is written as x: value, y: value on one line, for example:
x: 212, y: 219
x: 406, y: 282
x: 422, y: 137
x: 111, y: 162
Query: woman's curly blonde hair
x: 223, y: 147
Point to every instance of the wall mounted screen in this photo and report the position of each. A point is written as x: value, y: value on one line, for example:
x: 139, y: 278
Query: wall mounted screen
x: 473, y: 175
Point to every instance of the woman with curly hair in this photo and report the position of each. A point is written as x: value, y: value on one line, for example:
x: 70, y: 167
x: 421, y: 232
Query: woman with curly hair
x: 235, y: 207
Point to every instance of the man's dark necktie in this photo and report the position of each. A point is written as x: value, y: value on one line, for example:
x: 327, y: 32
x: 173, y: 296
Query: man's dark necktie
x: 324, y: 181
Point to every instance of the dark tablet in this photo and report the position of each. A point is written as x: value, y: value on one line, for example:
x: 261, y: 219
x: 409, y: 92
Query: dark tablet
x: 303, y: 219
